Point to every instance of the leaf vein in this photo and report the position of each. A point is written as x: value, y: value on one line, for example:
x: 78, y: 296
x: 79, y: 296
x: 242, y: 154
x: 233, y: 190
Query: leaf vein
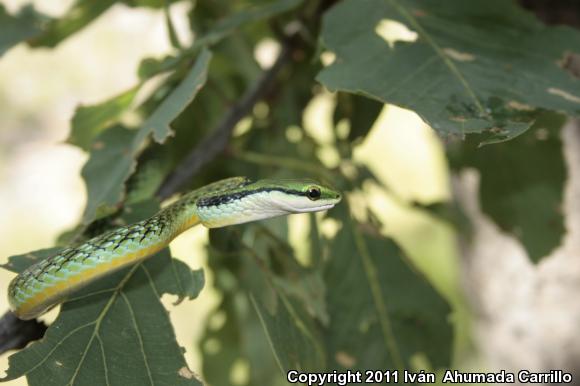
x: 450, y: 65
x: 150, y: 279
x: 61, y: 341
x: 418, y: 70
x: 103, y: 357
x: 378, y: 299
x: 100, y: 319
x: 139, y: 338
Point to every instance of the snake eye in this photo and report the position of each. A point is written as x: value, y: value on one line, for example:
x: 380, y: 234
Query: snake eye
x: 313, y: 193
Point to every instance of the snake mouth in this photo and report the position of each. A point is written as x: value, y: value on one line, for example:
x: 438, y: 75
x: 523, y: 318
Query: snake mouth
x: 313, y: 209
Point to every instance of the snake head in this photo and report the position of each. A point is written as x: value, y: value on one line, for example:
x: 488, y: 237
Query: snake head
x: 299, y: 196
x: 265, y: 199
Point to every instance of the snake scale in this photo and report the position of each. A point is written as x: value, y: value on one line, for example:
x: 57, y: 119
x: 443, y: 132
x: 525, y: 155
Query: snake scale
x: 231, y: 201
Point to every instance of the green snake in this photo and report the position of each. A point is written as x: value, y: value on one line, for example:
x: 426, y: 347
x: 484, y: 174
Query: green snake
x: 231, y: 201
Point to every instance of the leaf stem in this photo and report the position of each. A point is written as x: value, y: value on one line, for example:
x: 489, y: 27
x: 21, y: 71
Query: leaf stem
x: 173, y: 38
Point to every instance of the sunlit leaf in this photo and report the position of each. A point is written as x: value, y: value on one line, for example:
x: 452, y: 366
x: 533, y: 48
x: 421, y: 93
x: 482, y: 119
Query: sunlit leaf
x: 111, y: 162
x: 382, y: 311
x: 269, y: 275
x: 221, y: 30
x: 89, y: 121
x: 152, y: 169
x: 114, y: 152
x: 239, y: 339
x: 158, y: 122
x: 296, y: 342
x: 115, y: 331
x: 477, y: 66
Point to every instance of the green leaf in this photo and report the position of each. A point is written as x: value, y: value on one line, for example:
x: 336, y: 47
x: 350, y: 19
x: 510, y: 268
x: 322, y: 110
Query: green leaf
x: 522, y: 183
x: 114, y: 327
x: 17, y: 28
x: 392, y: 314
x: 90, y: 121
x: 171, y: 32
x: 111, y: 163
x: 153, y: 165
x: 19, y: 263
x: 115, y: 150
x: 294, y: 339
x: 81, y: 14
x: 235, y: 21
x: 153, y: 66
x: 268, y: 272
x: 477, y: 66
x: 288, y: 298
x: 150, y: 67
x: 148, y: 3
x: 177, y: 101
x: 292, y: 335
x: 360, y: 111
x: 239, y: 339
x: 380, y: 313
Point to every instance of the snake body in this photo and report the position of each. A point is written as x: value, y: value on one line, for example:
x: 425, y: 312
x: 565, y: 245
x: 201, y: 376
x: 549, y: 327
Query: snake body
x: 231, y: 201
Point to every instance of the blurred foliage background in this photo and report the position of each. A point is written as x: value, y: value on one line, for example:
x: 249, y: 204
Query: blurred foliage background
x: 109, y: 107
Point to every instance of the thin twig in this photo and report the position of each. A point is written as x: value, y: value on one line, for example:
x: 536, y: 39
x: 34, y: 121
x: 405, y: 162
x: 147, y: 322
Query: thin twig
x: 216, y: 141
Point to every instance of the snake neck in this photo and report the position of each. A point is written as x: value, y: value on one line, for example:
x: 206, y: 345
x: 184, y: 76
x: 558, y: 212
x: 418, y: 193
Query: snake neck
x: 183, y: 214
x: 179, y: 216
